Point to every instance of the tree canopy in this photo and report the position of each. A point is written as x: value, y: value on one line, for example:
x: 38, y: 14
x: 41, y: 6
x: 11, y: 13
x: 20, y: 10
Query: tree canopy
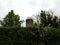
x: 11, y: 19
x: 47, y: 19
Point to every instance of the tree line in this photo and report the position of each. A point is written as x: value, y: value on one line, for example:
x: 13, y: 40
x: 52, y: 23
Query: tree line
x: 46, y: 31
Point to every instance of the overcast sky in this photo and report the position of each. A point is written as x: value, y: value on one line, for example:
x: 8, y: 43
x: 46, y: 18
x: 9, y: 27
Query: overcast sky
x: 27, y: 8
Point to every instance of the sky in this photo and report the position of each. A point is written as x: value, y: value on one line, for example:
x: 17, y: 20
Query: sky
x: 28, y: 8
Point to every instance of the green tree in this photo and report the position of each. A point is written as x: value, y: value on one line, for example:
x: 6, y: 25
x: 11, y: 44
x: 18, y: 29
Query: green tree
x: 55, y: 22
x: 47, y: 19
x: 43, y: 17
x: 59, y: 22
x: 11, y: 19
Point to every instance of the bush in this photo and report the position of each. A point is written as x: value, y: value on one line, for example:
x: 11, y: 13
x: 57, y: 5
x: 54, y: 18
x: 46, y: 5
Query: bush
x: 29, y: 36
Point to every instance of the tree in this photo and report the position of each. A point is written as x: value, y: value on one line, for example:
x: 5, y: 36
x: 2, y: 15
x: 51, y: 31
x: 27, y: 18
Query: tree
x: 59, y: 22
x: 55, y: 22
x: 47, y: 19
x: 43, y: 18
x: 11, y: 19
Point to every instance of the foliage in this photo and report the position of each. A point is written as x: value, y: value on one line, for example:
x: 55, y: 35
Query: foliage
x: 19, y: 36
x: 47, y: 19
x: 43, y: 17
x: 28, y: 35
x: 11, y: 20
x: 44, y: 33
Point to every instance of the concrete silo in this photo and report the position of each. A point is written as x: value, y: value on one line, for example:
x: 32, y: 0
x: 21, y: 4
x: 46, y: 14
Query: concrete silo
x: 29, y: 21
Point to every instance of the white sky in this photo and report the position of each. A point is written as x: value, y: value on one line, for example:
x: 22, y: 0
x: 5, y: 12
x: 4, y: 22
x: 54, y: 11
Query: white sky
x: 26, y: 8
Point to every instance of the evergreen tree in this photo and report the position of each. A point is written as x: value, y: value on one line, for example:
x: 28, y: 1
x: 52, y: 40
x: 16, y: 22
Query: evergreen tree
x: 11, y: 19
x: 43, y: 18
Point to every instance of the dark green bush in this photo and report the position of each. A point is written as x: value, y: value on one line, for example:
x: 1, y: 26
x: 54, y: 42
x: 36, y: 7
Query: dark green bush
x: 29, y: 36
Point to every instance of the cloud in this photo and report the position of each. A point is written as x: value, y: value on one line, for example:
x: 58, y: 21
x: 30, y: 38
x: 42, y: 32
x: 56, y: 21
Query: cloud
x: 24, y: 8
x: 57, y: 7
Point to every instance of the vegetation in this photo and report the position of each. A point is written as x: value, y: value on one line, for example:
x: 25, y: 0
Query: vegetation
x: 47, y: 31
x: 11, y: 20
x: 47, y: 19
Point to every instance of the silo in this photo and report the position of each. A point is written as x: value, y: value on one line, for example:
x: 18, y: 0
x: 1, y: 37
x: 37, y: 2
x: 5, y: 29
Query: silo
x: 29, y: 21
